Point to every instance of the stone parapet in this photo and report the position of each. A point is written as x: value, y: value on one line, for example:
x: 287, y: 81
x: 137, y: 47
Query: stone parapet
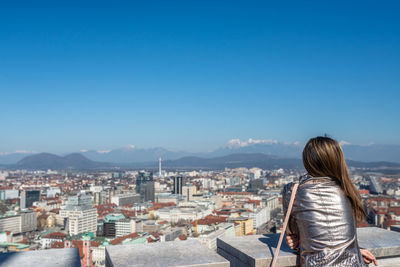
x: 67, y: 257
x: 257, y: 250
x: 175, y: 253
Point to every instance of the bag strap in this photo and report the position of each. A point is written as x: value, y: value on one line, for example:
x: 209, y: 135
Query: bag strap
x: 285, y: 223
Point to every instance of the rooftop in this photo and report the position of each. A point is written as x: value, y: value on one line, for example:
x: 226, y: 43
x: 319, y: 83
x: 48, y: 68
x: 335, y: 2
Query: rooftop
x: 254, y: 250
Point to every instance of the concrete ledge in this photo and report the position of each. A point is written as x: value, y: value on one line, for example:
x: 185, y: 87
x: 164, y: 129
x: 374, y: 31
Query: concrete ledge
x: 382, y: 243
x: 175, y: 253
x: 67, y: 257
x: 257, y: 250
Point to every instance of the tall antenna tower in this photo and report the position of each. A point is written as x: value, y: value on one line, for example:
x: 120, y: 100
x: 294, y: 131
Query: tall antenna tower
x: 159, y: 168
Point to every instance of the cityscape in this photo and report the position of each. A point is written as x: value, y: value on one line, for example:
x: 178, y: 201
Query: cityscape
x: 162, y: 133
x: 92, y: 210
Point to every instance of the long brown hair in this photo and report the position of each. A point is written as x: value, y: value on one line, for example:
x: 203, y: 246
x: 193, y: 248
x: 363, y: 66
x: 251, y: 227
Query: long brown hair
x: 323, y: 156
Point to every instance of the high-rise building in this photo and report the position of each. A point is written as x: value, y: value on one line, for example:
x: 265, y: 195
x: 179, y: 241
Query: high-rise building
x: 178, y: 181
x: 28, y: 197
x: 145, y: 186
x: 80, y: 215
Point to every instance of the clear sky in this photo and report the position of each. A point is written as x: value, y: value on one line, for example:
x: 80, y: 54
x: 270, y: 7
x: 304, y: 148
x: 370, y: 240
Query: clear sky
x: 191, y: 75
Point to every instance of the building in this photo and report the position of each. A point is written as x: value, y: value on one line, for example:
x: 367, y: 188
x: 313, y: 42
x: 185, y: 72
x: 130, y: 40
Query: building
x: 145, y: 186
x: 79, y: 215
x: 245, y: 226
x: 109, y: 227
x: 183, y: 213
x: 374, y: 186
x: 260, y: 216
x: 47, y: 241
x: 125, y: 227
x: 177, y: 187
x: 28, y: 197
x: 255, y: 184
x: 24, y: 221
x: 9, y: 194
x: 188, y: 191
x: 53, y: 191
x: 124, y: 199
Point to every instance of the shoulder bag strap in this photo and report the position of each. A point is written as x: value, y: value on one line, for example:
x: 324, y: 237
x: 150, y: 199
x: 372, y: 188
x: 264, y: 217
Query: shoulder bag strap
x: 285, y: 223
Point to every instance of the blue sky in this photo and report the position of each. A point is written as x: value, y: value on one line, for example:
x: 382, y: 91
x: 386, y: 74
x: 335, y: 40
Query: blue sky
x: 191, y: 75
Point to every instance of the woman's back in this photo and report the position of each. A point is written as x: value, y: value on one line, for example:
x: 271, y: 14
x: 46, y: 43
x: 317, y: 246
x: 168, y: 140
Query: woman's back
x: 323, y: 219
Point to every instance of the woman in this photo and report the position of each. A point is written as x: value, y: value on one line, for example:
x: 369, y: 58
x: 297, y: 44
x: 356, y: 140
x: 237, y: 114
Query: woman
x: 327, y: 205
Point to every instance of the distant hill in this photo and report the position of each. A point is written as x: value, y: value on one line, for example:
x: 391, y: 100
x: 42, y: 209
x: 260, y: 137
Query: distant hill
x: 260, y: 160
x: 44, y: 161
x: 131, y: 154
x: 367, y: 153
x: 77, y: 161
x: 247, y: 160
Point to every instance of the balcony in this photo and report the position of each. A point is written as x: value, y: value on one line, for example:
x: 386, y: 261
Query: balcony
x: 256, y: 250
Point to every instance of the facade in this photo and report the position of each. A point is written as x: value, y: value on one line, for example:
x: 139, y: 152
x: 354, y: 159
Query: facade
x: 9, y: 194
x: 28, y: 221
x: 272, y: 202
x: 145, y: 186
x: 22, y: 222
x: 176, y: 214
x: 53, y: 191
x: 109, y: 229
x: 28, y: 197
x: 125, y: 227
x: 245, y: 226
x: 260, y: 216
x: 124, y: 199
x: 255, y: 184
x: 374, y: 186
x: 11, y: 224
x: 177, y: 187
x: 79, y: 214
x: 188, y: 191
x: 98, y: 255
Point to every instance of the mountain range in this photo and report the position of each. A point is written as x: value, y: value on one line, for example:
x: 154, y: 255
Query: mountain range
x: 132, y: 155
x: 76, y: 161
x: 44, y: 161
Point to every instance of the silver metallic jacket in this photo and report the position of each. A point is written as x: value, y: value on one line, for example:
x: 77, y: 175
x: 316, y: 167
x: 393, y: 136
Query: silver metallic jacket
x: 323, y: 219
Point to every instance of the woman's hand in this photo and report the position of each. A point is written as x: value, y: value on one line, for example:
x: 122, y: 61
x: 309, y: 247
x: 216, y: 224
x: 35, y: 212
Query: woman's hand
x: 293, y: 241
x: 368, y: 257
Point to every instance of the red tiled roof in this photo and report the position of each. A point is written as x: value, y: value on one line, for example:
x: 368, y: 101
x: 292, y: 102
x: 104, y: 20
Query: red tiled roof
x: 56, y: 235
x: 128, y: 213
x: 210, y: 219
x: 254, y: 201
x: 55, y: 210
x: 119, y: 240
x: 94, y: 243
x: 160, y: 205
